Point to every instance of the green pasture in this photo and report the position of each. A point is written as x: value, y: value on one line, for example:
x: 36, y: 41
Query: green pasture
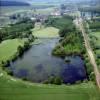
x: 14, y: 89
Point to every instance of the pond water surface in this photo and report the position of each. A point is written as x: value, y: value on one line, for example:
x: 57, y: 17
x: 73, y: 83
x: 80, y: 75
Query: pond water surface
x: 38, y: 64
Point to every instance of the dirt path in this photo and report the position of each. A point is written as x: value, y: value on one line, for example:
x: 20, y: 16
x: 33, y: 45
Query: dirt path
x: 89, y: 51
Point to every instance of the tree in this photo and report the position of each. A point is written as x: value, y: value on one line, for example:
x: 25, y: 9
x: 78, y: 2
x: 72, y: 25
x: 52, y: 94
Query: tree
x: 51, y: 80
x: 57, y: 81
x: 92, y: 76
x: 26, y: 45
x: 0, y: 37
x: 20, y: 50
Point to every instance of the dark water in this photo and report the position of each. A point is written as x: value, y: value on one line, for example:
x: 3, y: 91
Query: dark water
x: 38, y: 64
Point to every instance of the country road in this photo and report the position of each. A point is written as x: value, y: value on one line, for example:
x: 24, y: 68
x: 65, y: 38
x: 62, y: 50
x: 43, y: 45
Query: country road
x: 89, y: 50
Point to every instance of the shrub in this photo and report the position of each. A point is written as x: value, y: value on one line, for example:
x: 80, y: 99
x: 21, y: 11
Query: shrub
x: 20, y: 50
x: 6, y: 63
x: 9, y: 72
x: 53, y: 80
x: 92, y: 76
x: 57, y: 81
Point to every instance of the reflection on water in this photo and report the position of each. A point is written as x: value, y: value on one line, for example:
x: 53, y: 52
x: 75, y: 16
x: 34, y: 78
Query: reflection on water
x: 38, y: 64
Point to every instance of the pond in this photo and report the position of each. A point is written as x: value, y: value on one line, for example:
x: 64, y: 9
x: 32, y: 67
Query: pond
x: 38, y: 64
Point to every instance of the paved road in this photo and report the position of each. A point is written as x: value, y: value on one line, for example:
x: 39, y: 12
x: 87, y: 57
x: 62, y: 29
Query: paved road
x: 89, y: 51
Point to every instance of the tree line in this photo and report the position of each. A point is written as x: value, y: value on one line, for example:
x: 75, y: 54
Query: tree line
x: 18, y: 30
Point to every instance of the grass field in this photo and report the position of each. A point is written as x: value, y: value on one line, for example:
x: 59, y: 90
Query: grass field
x: 48, y: 32
x: 13, y: 89
x: 97, y: 35
x: 8, y: 48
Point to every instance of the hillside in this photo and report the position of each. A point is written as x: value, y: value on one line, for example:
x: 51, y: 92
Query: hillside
x: 12, y: 3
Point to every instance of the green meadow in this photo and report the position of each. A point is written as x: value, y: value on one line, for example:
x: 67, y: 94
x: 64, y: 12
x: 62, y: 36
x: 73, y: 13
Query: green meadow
x: 15, y: 89
x: 9, y: 47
